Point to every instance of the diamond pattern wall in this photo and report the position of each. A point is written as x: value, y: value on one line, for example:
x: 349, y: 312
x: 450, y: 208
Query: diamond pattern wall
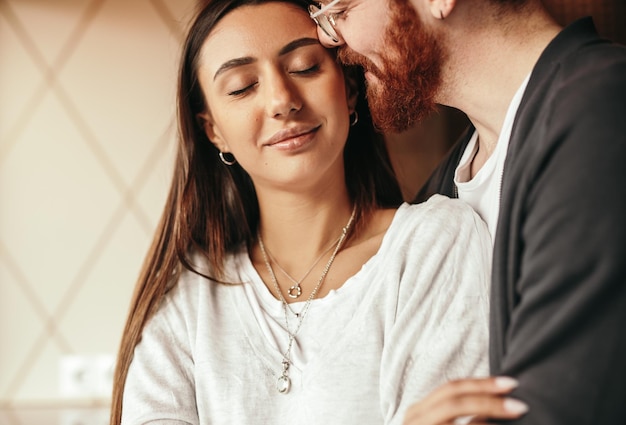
x: 86, y: 145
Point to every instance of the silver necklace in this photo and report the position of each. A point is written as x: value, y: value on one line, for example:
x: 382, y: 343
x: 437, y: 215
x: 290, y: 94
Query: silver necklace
x: 283, y: 384
x: 296, y: 290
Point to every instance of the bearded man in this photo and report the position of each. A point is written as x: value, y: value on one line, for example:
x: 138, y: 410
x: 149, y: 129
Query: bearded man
x: 543, y: 164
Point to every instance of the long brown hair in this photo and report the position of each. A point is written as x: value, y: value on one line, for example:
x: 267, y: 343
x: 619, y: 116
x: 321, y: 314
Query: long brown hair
x: 212, y: 208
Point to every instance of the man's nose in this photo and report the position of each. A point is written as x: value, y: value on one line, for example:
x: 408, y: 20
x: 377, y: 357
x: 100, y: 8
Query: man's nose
x: 326, y: 40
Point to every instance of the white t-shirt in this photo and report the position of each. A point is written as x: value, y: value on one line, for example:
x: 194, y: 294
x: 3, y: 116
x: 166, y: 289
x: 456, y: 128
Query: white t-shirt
x: 414, y: 317
x: 483, y: 191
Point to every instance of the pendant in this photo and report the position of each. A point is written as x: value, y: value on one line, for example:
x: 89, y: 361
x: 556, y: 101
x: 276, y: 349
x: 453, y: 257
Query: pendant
x: 295, y: 291
x: 283, y: 384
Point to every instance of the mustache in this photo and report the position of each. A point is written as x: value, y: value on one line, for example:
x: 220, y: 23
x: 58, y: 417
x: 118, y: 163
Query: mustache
x: 349, y: 57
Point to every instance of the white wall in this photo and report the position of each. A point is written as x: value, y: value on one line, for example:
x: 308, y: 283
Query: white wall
x: 86, y: 143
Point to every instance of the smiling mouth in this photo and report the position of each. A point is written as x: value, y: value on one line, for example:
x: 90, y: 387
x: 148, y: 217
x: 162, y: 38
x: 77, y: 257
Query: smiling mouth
x: 292, y: 137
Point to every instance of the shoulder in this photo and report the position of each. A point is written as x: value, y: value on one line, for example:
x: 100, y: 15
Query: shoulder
x: 596, y: 73
x: 580, y: 52
x: 572, y: 118
x: 598, y: 55
x: 578, y: 76
x: 590, y: 83
x: 198, y: 283
x: 440, y: 223
x: 443, y: 250
x: 193, y: 300
x: 438, y: 210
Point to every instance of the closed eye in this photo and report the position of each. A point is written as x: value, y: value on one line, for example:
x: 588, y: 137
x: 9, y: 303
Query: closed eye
x: 311, y: 70
x: 241, y: 91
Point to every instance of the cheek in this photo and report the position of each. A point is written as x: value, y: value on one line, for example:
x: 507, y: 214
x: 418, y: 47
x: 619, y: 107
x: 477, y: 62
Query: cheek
x: 332, y: 101
x: 367, y: 43
x: 235, y: 131
x: 333, y: 104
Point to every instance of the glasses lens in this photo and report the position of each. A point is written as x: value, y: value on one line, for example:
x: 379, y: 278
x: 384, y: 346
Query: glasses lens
x: 323, y: 22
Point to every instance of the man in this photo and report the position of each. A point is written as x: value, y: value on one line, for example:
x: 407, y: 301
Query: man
x: 544, y: 164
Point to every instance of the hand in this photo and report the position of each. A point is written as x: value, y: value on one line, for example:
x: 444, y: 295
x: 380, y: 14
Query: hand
x: 467, y: 401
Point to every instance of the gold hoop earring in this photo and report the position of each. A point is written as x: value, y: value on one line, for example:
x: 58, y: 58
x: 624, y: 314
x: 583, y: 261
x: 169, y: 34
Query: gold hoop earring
x: 354, y: 120
x: 225, y: 160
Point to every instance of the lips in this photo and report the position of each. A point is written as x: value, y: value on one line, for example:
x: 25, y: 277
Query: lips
x: 291, y: 136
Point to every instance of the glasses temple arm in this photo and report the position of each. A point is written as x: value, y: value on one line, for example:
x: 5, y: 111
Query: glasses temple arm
x: 324, y: 8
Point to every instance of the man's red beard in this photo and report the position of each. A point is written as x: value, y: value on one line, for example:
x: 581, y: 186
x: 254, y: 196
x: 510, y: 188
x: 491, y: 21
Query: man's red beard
x: 410, y: 73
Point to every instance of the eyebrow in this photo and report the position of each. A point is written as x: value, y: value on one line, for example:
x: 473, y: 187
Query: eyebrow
x: 289, y: 47
x: 301, y: 42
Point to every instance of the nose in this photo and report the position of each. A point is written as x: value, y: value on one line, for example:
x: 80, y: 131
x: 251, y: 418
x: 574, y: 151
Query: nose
x: 282, y: 96
x: 326, y: 40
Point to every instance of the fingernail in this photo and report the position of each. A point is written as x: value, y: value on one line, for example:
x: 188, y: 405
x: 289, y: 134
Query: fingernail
x: 506, y: 382
x: 517, y: 407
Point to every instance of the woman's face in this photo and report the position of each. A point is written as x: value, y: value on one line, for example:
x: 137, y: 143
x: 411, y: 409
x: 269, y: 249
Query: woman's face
x: 276, y: 98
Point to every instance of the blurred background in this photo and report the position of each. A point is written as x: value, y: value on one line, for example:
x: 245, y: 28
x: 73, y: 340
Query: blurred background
x: 87, y: 131
x: 87, y: 98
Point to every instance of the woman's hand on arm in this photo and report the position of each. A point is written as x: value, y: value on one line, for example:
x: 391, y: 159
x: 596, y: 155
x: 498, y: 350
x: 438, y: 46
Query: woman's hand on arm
x: 457, y: 402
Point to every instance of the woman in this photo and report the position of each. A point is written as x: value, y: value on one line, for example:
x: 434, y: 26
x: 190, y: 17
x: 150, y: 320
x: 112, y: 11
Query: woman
x: 279, y: 287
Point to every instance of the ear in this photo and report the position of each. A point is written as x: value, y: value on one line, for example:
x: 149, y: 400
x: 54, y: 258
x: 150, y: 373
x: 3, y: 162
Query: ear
x: 441, y: 9
x: 212, y: 131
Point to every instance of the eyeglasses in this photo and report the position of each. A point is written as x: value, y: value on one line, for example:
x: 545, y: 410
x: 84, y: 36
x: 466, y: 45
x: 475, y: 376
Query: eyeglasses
x: 326, y: 21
